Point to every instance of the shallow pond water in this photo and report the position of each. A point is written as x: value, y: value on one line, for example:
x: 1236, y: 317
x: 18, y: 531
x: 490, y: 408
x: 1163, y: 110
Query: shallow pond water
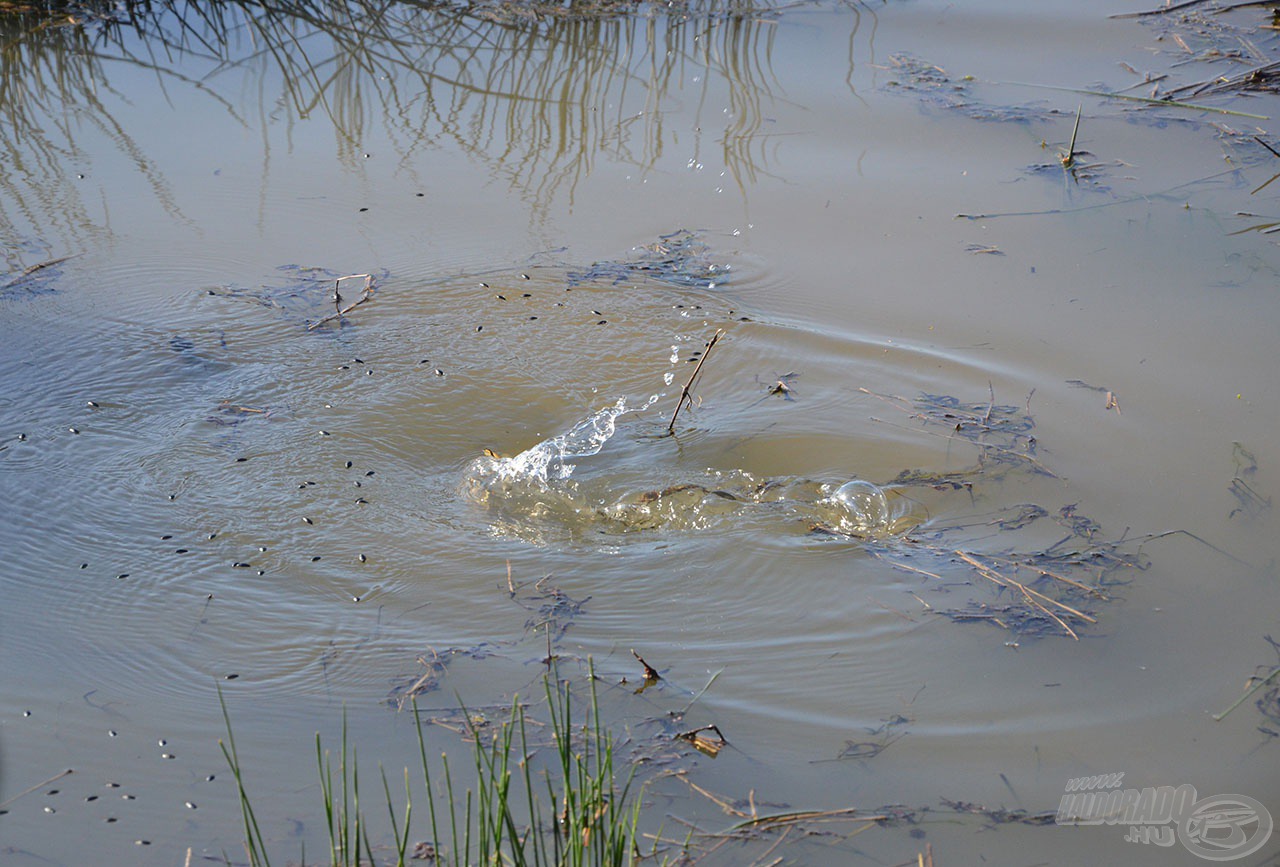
x: 211, y: 479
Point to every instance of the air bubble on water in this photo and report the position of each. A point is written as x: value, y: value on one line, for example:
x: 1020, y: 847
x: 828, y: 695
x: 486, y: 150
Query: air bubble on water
x: 668, y: 377
x: 865, y: 509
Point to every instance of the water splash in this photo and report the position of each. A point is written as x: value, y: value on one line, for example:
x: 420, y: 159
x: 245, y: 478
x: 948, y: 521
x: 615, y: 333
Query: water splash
x: 531, y: 494
x: 547, y: 461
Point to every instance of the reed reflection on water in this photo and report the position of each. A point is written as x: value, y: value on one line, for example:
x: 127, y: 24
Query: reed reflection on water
x: 536, y: 97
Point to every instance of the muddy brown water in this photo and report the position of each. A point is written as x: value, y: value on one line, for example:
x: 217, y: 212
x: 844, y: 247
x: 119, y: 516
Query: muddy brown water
x: 200, y: 491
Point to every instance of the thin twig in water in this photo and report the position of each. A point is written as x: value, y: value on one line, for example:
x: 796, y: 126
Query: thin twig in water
x: 337, y: 299
x: 1163, y: 10
x: 684, y: 392
x: 1069, y: 160
x: 1219, y: 717
x: 52, y: 779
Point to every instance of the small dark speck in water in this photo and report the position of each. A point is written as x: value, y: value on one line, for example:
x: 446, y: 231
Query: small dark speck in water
x: 122, y: 576
x: 189, y: 805
x: 362, y: 210
x: 501, y: 297
x: 363, y: 558
x: 229, y: 677
x: 361, y: 501
x: 603, y: 322
x: 128, y: 797
x: 315, y: 559
x: 166, y: 537
x: 92, y: 404
x: 180, y: 551
x: 357, y: 484
x: 262, y: 549
x: 242, y: 565
x: 84, y: 565
x: 89, y: 799
x: 113, y: 734
x: 74, y: 430
x: 241, y: 460
x: 110, y: 819
x: 113, y: 785
x: 348, y: 464
x: 173, y: 496
x: 526, y: 295
x: 531, y: 318
x: 369, y: 473
x: 484, y: 285
x: 167, y: 756
x: 50, y: 810
x: 524, y: 276
x: 307, y: 521
x: 439, y: 372
x: 26, y: 713
x: 142, y: 842
x: 162, y: 742
x: 212, y: 536
x: 211, y: 777
x: 261, y: 573
x: 419, y: 195
x: 344, y: 367
x: 479, y: 328
x: 325, y: 433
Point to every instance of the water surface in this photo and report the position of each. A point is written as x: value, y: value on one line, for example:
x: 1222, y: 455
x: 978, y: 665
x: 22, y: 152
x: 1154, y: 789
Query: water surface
x: 557, y: 215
